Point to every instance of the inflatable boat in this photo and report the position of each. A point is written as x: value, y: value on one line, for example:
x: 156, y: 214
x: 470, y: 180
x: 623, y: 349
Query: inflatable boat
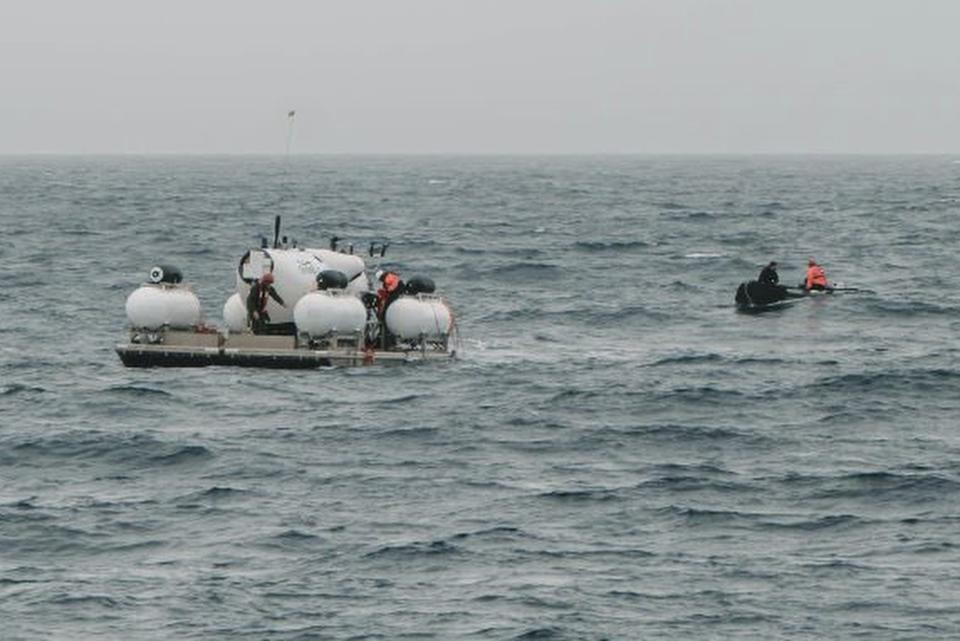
x: 754, y: 296
x: 294, y: 307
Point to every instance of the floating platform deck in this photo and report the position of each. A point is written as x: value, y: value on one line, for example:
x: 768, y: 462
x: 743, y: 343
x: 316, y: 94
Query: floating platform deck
x: 194, y: 349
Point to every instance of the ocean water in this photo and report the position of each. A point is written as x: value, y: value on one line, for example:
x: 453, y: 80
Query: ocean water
x: 618, y: 454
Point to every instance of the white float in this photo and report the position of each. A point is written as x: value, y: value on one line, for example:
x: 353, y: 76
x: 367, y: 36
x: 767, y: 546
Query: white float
x: 424, y: 315
x: 153, y: 306
x: 235, y: 314
x: 326, y: 312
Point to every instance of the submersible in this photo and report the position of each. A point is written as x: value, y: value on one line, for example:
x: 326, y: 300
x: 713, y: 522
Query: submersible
x: 294, y: 307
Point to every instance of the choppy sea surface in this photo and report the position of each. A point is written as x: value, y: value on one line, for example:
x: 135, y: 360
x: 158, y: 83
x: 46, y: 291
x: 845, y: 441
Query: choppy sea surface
x: 618, y: 454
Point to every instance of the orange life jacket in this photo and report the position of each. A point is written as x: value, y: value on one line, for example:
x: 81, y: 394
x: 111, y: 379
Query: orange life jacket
x: 816, y: 277
x: 390, y: 284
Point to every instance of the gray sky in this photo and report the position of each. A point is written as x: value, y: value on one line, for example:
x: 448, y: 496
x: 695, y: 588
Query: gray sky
x: 480, y: 76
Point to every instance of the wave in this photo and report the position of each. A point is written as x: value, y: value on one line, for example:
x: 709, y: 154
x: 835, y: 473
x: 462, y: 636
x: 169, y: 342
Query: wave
x: 933, y: 547
x: 222, y: 492
x: 834, y: 566
x: 590, y: 315
x: 693, y: 483
x: 524, y: 271
x: 400, y: 400
x: 819, y: 523
x: 22, y: 504
x: 695, y: 433
x: 773, y: 205
x: 909, y: 309
x: 25, y: 280
x: 414, y: 550
x: 214, y: 493
x: 52, y: 539
x: 193, y: 252
x: 577, y: 496
x: 136, y: 450
x: 493, y: 532
x: 294, y: 535
x: 703, y: 255
x: 84, y: 600
x: 546, y: 338
x: 626, y: 312
x: 902, y: 381
x: 5, y: 581
x: 180, y: 455
x: 683, y: 286
x: 687, y: 359
x: 138, y: 390
x: 741, y: 239
x: 143, y: 544
x: 81, y: 232
x: 17, y: 388
x: 708, y: 517
x: 619, y: 553
x: 669, y: 205
x: 599, y: 246
x: 541, y: 634
x: 415, y: 433
x: 771, y: 360
x: 699, y: 468
x: 575, y: 394
x: 875, y: 486
x: 703, y: 394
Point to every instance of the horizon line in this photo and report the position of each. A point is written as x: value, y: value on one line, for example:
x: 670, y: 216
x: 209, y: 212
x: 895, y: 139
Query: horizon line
x: 500, y: 154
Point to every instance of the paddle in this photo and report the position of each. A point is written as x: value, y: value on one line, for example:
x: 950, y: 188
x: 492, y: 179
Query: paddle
x: 832, y: 289
x: 276, y: 232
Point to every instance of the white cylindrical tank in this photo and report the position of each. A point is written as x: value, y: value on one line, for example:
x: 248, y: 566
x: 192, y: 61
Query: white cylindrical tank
x: 235, y: 314
x: 295, y: 274
x: 153, y: 306
x: 410, y: 317
x: 320, y: 313
x: 349, y: 264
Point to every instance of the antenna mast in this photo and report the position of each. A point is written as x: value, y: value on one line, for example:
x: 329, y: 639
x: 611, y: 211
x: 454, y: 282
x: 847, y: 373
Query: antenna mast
x: 291, y: 115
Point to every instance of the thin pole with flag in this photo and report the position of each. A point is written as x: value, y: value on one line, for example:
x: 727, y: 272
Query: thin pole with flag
x: 290, y: 117
x: 286, y: 159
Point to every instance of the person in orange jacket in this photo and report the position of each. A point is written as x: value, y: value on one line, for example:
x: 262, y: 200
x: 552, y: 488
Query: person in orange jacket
x: 816, y: 277
x: 391, y: 289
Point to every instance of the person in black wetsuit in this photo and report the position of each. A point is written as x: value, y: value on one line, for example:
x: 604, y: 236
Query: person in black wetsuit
x: 260, y: 290
x: 768, y: 275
